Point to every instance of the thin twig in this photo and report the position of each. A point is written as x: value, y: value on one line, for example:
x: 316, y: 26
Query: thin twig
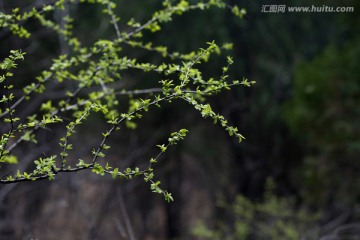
x: 22, y: 98
x: 119, y: 227
x: 103, y: 86
x: 125, y: 215
x: 114, y: 22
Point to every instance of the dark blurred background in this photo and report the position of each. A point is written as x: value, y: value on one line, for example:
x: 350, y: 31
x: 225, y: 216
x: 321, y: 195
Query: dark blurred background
x: 295, y: 177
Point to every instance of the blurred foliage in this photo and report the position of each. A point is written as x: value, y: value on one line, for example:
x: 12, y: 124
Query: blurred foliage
x: 323, y: 114
x: 272, y: 218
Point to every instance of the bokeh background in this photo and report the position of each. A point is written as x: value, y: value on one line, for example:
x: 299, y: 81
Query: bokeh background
x: 297, y: 175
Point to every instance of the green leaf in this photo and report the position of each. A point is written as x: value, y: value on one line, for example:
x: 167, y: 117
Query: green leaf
x: 11, y: 159
x: 114, y: 173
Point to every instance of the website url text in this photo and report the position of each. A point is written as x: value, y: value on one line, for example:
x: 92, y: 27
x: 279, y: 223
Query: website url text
x: 312, y: 9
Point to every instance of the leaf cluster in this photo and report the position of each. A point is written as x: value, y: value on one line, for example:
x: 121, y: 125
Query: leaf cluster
x: 91, y: 78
